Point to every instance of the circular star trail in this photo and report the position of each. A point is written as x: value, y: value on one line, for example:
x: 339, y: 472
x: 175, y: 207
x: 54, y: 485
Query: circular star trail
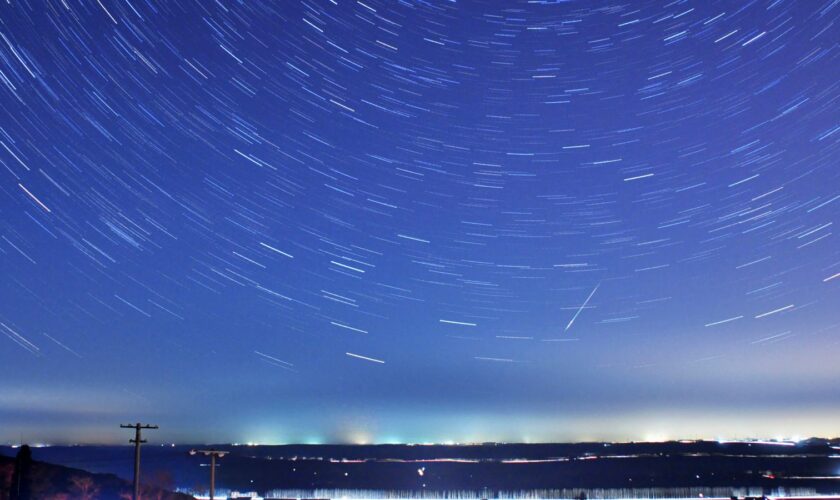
x: 418, y: 220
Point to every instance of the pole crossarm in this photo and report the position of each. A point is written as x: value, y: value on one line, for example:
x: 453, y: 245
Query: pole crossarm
x: 218, y: 453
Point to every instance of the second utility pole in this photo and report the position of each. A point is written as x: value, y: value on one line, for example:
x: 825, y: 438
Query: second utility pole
x: 137, y: 442
x: 212, y: 454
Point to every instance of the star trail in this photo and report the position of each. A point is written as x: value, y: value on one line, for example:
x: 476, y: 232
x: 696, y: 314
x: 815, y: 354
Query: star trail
x: 394, y: 220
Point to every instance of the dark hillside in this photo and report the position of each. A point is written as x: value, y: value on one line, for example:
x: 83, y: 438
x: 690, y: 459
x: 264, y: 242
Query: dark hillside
x: 55, y: 482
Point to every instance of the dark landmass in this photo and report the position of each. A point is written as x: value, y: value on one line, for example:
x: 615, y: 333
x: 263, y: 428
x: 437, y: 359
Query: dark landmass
x: 807, y: 465
x: 55, y: 482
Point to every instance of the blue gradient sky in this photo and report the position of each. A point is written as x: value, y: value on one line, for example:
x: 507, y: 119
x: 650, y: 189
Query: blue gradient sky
x: 379, y: 221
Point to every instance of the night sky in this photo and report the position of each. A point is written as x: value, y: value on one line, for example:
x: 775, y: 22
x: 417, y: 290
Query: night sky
x: 410, y: 221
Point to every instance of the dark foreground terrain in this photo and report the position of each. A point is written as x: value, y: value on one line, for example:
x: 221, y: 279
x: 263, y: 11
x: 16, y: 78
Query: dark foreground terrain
x: 45, y: 481
x: 812, y: 465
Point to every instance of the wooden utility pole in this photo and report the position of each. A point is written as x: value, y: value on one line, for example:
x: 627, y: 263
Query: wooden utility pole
x: 213, y: 454
x: 137, y: 442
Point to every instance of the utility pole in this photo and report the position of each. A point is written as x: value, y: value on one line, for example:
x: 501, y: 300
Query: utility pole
x: 213, y: 454
x: 137, y: 442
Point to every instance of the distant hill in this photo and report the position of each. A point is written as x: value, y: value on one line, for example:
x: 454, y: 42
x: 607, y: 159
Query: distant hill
x: 55, y: 482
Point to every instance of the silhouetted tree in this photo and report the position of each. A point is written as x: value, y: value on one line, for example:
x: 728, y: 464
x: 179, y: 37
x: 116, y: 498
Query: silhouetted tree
x: 22, y: 476
x: 84, y: 487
